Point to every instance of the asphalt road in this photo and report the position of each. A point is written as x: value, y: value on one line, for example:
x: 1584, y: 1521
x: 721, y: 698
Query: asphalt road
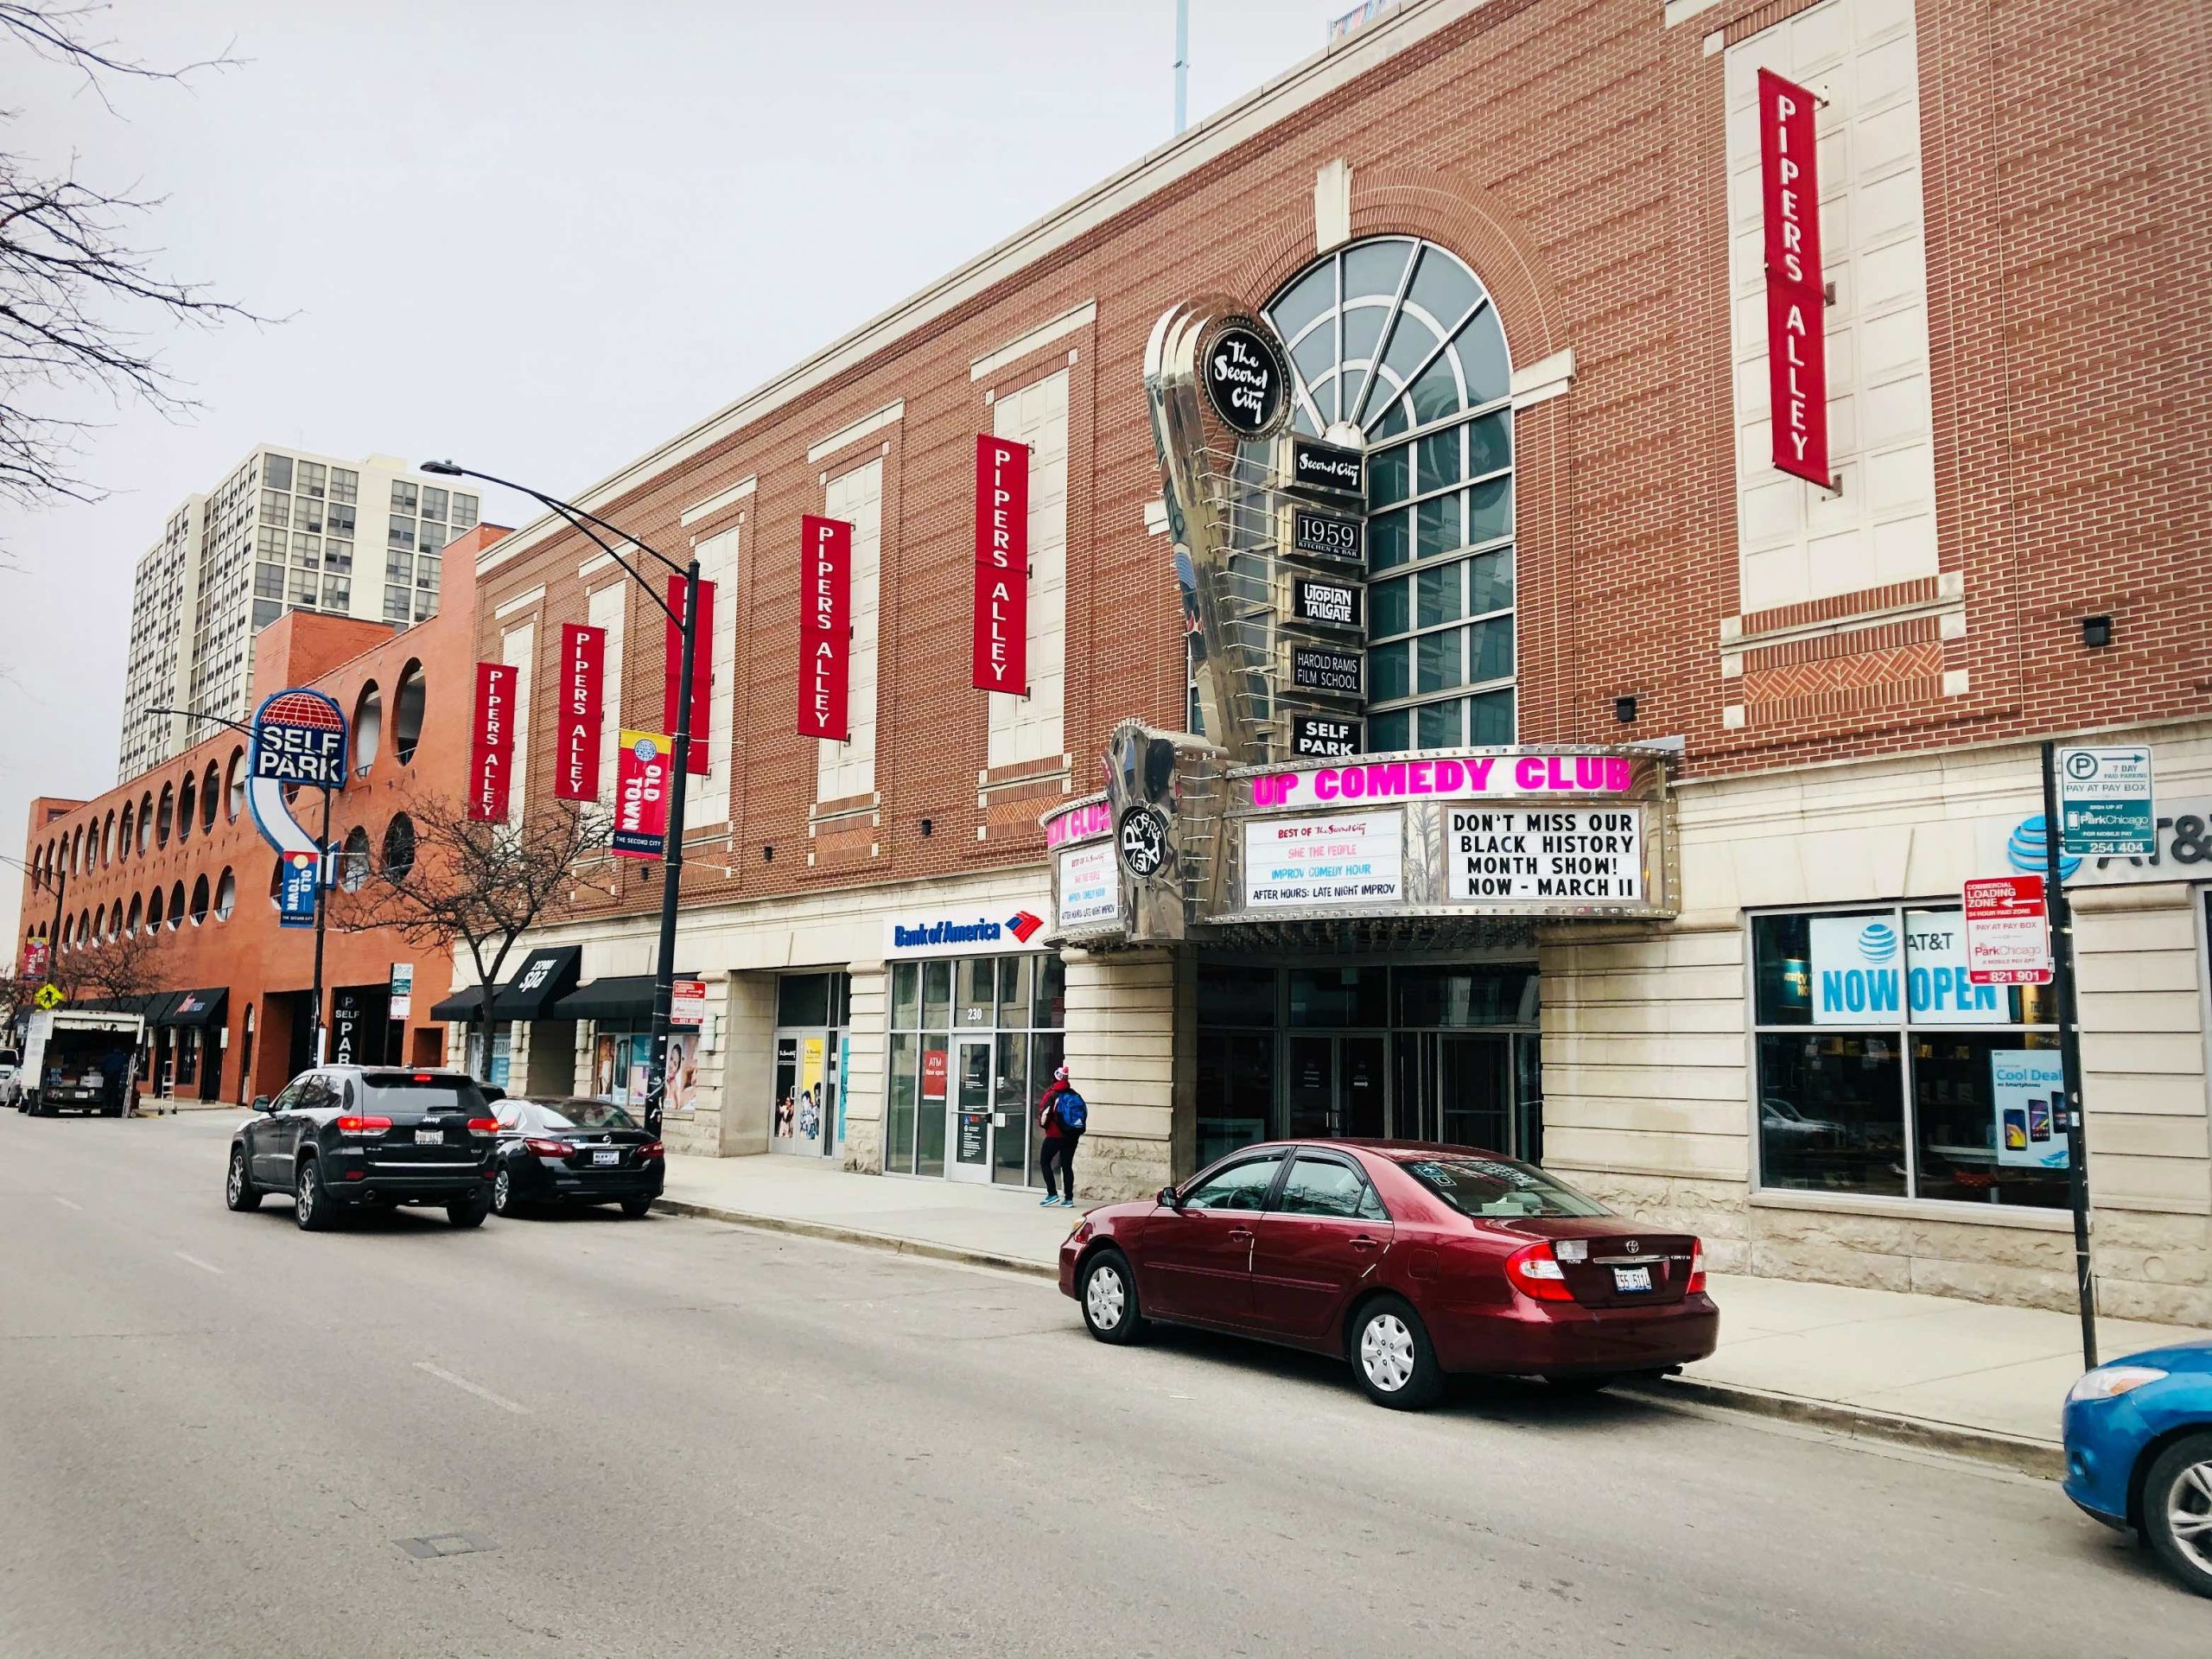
x: 671, y: 1437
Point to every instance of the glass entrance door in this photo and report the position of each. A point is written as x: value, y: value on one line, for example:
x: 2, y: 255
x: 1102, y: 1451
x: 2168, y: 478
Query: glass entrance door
x: 1458, y: 1088
x: 1335, y: 1086
x: 806, y: 1093
x: 971, y: 1105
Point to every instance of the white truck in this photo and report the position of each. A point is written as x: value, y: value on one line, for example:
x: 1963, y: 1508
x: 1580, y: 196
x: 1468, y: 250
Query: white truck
x: 76, y: 1060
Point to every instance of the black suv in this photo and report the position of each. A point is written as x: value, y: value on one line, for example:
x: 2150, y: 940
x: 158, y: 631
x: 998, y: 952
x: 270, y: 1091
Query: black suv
x: 364, y: 1136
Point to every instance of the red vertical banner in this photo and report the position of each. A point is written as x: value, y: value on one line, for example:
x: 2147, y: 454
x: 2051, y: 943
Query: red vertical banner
x: 999, y: 660
x: 702, y: 670
x: 643, y: 778
x: 1796, y: 301
x: 825, y: 627
x: 583, y: 664
x: 491, y: 742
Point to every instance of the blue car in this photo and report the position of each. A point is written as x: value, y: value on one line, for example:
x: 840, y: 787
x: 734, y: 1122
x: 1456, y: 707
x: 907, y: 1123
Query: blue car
x: 2139, y: 1453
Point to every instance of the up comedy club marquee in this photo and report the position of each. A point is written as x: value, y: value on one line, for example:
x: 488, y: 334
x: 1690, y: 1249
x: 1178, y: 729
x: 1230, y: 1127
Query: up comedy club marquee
x: 1462, y: 833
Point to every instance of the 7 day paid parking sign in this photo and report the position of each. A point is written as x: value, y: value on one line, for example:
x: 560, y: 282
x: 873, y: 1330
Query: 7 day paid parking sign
x: 2104, y: 808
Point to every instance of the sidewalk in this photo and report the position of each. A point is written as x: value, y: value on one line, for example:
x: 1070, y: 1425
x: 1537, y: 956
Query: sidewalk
x: 1960, y: 1376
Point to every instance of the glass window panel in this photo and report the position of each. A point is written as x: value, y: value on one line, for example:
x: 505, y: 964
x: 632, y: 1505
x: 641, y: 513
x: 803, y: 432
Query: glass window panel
x: 400, y: 532
x: 1051, y: 978
x: 277, y: 472
x: 276, y: 508
x: 1010, y: 1103
x: 1782, y: 971
x: 1489, y: 510
x: 905, y: 995
x: 1489, y: 582
x: 1442, y: 287
x: 1988, y: 1113
x: 1437, y: 596
x: 1375, y: 268
x: 1315, y: 357
x: 1411, y: 342
x: 403, y: 497
x: 1832, y: 1111
x: 1436, y: 526
x: 1439, y: 460
x: 1454, y: 998
x: 337, y: 594
x: 1236, y: 1091
x: 345, y: 484
x: 1438, y: 724
x: 309, y: 481
x: 1482, y: 352
x: 1363, y: 332
x: 975, y: 996
x: 306, y: 515
x: 1491, y: 650
x: 434, y: 502
x: 1938, y: 990
x: 1395, y: 421
x: 341, y: 519
x: 1047, y: 1053
x: 906, y: 1079
x: 1389, y: 539
x: 425, y: 605
x: 1437, y: 393
x: 396, y: 608
x: 930, y: 1106
x: 1339, y: 996
x: 1490, y: 443
x: 464, y: 512
x: 1235, y: 996
x: 1390, y: 671
x: 936, y: 996
x: 1313, y: 294
x: 306, y: 546
x: 268, y: 581
x: 1014, y: 990
x: 1390, y: 607
x: 803, y: 1000
x: 338, y: 555
x: 1390, y: 733
x: 1439, y: 660
x: 1390, y: 475
x: 264, y: 612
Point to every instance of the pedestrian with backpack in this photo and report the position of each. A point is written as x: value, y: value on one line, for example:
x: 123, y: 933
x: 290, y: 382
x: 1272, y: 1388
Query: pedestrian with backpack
x: 1063, y: 1114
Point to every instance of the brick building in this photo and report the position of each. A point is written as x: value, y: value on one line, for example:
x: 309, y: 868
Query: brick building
x: 173, y: 854
x: 1575, y: 538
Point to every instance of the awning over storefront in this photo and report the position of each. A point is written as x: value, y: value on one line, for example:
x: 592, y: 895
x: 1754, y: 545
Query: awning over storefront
x: 545, y: 977
x: 201, y: 1007
x: 629, y: 996
x: 143, y: 1002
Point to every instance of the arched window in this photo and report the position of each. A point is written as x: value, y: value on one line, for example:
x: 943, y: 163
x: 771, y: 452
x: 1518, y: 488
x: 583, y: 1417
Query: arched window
x: 200, y: 901
x: 107, y: 840
x: 77, y: 851
x: 154, y: 911
x: 168, y: 816
x: 99, y: 924
x: 275, y: 882
x: 1395, y: 347
x: 368, y: 726
x: 68, y: 930
x: 176, y: 905
x: 130, y: 829
x: 226, y: 895
x: 353, y: 860
x: 399, y: 847
x: 188, y: 807
x: 211, y: 789
x: 137, y: 912
x: 145, y: 819
x: 407, y: 704
x: 234, y: 785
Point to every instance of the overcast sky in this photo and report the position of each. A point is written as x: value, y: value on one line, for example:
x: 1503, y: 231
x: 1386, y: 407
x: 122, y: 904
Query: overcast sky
x: 542, y: 235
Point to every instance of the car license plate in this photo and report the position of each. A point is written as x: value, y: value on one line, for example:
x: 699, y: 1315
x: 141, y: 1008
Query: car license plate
x: 1631, y: 1278
x: 430, y: 1137
x: 608, y: 1157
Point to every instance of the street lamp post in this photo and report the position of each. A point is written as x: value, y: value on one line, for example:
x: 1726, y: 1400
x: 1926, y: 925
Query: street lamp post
x: 672, y: 849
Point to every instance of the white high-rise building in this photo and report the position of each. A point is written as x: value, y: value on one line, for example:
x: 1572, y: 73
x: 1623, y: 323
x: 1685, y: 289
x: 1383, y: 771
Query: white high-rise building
x: 284, y: 531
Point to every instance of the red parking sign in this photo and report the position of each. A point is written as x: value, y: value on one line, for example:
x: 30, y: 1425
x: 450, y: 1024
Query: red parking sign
x: 2008, y: 930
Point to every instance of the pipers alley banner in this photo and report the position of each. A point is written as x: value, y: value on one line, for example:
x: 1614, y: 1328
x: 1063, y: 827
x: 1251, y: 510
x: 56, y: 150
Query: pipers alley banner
x: 491, y: 742
x: 825, y: 627
x: 1001, y: 657
x: 702, y: 670
x: 583, y: 665
x: 1796, y: 299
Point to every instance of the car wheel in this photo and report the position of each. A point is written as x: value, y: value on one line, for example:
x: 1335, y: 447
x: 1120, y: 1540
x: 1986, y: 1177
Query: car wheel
x: 469, y: 1212
x: 239, y: 1190
x: 1391, y: 1355
x: 2178, y: 1511
x: 504, y: 1202
x: 1108, y: 1294
x: 637, y: 1208
x: 311, y: 1205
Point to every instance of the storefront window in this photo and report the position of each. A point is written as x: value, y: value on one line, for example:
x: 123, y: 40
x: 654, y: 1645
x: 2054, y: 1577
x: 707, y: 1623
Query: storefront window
x: 1884, y: 1069
x: 998, y: 1023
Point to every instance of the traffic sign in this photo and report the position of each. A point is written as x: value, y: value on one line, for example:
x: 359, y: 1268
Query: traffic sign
x: 2105, y: 807
x: 49, y: 997
x: 2008, y: 934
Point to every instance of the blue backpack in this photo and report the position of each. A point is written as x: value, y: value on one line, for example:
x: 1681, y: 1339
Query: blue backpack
x: 1072, y: 1112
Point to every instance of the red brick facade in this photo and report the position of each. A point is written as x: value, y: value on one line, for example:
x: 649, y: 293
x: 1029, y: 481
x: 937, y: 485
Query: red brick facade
x: 1575, y: 155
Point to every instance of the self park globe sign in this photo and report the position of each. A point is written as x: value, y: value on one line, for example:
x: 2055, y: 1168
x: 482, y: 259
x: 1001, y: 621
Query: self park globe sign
x: 299, y: 741
x: 1247, y: 381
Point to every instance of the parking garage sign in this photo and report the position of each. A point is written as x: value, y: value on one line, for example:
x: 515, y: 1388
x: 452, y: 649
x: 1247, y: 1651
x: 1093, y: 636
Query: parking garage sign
x: 2104, y: 808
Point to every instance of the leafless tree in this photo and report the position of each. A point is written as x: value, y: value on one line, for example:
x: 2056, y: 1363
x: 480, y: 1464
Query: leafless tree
x: 481, y: 884
x: 127, y: 965
x: 76, y: 293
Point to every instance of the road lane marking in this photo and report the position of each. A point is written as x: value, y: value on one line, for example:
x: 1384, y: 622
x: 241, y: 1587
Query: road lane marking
x: 69, y: 1203
x: 467, y: 1387
x: 204, y: 1267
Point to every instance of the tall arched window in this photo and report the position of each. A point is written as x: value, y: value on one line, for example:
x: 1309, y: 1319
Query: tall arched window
x: 407, y: 704
x: 234, y: 785
x: 145, y: 819
x: 1395, y: 346
x: 210, y: 791
x: 130, y: 829
x: 188, y: 806
x: 226, y: 895
x: 353, y: 860
x: 137, y: 910
x: 399, y: 848
x: 176, y: 905
x: 168, y: 816
x: 368, y: 726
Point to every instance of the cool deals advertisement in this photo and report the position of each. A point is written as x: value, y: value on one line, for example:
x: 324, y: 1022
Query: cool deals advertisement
x: 2027, y: 1094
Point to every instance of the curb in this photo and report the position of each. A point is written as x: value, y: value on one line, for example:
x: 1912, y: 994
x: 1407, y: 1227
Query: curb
x: 2041, y: 1458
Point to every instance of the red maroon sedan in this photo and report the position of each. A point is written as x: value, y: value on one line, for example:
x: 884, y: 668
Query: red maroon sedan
x: 1412, y: 1261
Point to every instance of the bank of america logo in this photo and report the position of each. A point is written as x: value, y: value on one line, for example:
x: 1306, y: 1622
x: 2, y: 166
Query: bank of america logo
x: 1878, y: 944
x: 1021, y: 924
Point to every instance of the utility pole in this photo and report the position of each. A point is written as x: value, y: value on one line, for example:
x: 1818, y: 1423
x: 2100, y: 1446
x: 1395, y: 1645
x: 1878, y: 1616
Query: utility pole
x: 2069, y: 1050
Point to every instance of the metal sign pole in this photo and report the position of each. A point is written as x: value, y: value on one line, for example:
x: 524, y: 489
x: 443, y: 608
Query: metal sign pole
x: 2070, y: 1050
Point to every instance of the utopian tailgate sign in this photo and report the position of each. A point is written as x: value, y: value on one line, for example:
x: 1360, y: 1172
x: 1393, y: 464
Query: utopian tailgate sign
x: 1796, y: 300
x: 1356, y: 858
x: 825, y: 627
x: 1000, y: 655
x: 1559, y: 854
